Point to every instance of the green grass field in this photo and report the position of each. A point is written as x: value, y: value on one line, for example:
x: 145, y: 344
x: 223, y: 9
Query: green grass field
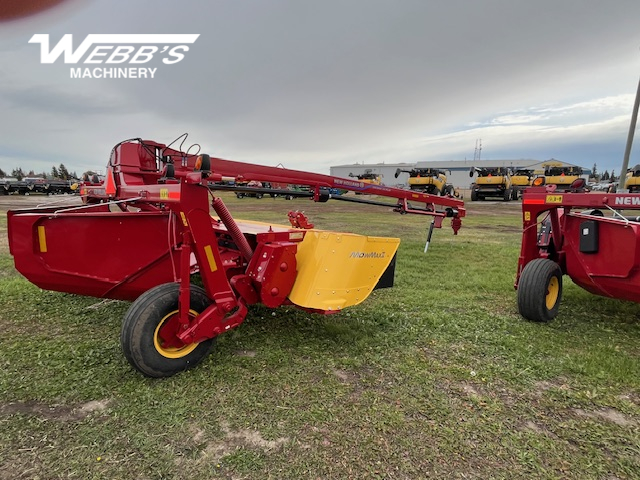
x: 438, y: 377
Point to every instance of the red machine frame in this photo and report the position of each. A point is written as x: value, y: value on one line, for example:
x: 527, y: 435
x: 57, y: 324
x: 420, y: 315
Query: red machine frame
x: 583, y: 235
x: 147, y: 228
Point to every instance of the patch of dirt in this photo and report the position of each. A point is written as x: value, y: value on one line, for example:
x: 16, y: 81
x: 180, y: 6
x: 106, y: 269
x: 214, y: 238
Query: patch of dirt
x: 95, y: 406
x: 545, y: 385
x: 198, y: 434
x: 470, y: 390
x: 343, y: 376
x: 62, y: 413
x: 237, y: 439
x: 542, y: 386
x: 533, y: 427
x: 610, y: 415
x: 631, y: 398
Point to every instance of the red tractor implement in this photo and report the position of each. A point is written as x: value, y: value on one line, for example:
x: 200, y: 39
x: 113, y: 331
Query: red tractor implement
x: 144, y: 232
x: 582, y: 235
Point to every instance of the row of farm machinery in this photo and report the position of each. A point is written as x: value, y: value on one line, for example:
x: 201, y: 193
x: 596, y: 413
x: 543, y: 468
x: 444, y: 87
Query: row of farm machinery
x: 29, y: 185
x: 504, y: 183
x: 192, y: 270
x: 507, y: 183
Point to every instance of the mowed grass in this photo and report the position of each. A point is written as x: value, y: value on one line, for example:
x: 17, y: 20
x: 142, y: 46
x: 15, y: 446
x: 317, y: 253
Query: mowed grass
x: 437, y: 377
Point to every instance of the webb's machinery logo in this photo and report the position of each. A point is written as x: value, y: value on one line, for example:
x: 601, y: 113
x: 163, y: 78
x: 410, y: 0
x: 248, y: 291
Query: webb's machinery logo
x: 118, y: 52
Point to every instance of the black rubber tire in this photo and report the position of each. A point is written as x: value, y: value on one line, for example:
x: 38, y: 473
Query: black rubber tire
x: 540, y: 290
x: 507, y: 195
x: 259, y: 195
x: 514, y: 194
x: 474, y: 195
x: 141, y: 323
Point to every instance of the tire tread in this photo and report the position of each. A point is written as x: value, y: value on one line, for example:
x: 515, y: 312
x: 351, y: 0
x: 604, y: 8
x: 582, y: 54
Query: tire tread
x: 134, y: 333
x: 532, y: 289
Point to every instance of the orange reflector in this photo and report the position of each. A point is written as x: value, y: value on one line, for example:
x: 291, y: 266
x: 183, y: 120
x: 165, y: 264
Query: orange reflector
x: 198, y: 164
x: 538, y: 181
x: 42, y: 239
x: 109, y: 183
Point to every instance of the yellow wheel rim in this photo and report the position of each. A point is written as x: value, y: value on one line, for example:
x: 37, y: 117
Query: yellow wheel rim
x: 172, y: 352
x: 553, y: 290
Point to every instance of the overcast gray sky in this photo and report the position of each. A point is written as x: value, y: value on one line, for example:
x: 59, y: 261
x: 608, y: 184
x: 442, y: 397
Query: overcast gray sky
x: 311, y: 84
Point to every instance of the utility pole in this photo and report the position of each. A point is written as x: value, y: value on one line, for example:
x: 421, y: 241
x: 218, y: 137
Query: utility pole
x: 632, y: 129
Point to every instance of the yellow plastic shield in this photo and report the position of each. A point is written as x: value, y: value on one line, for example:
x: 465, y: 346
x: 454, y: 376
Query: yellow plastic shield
x: 337, y: 270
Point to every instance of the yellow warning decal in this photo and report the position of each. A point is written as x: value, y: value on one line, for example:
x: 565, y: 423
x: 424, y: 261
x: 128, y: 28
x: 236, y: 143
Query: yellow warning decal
x: 210, y: 258
x: 184, y: 219
x: 554, y: 199
x: 42, y: 239
x: 164, y: 194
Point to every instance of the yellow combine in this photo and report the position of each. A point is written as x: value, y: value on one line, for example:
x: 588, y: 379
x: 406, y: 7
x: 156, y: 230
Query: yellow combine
x: 428, y: 180
x: 491, y: 182
x: 561, y: 176
x: 520, y: 180
x: 632, y: 181
x: 368, y: 177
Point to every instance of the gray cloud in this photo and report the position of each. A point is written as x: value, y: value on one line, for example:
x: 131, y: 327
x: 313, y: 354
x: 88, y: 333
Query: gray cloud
x: 47, y: 100
x: 313, y: 83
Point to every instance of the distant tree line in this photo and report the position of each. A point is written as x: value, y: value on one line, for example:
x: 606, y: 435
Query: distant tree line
x: 606, y: 176
x: 58, y: 173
